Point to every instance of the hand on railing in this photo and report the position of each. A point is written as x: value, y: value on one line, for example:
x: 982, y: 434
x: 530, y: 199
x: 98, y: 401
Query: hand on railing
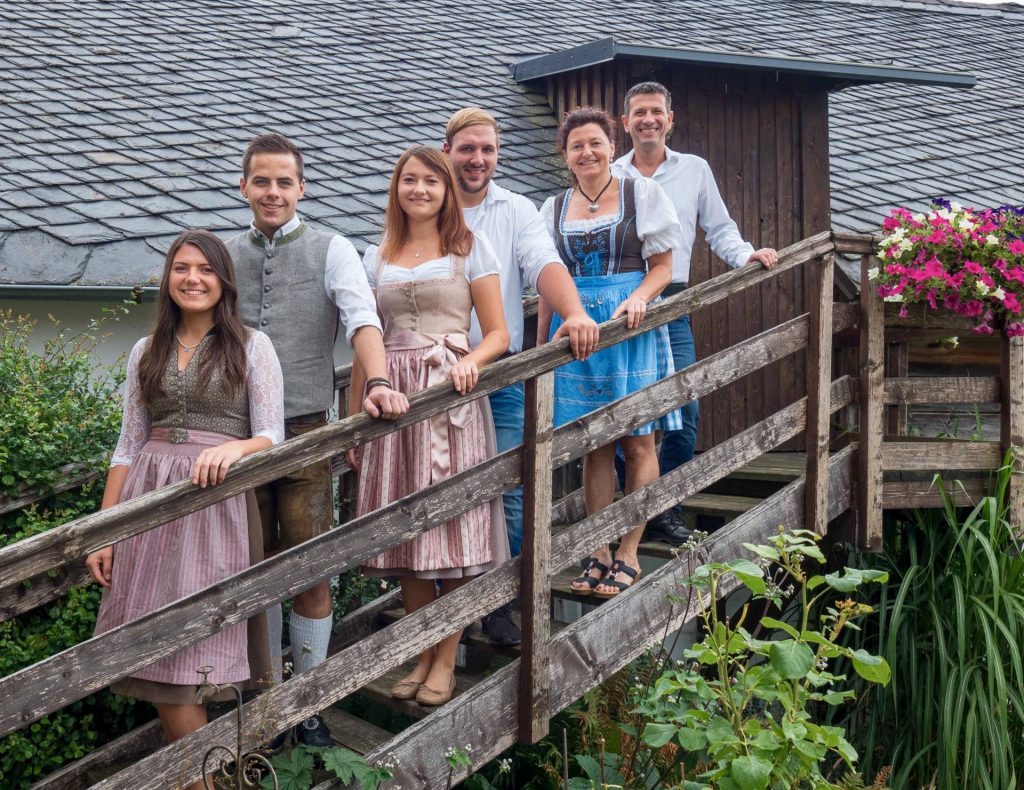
x: 582, y: 332
x: 100, y: 564
x: 386, y: 403
x: 634, y: 308
x: 464, y: 376
x: 766, y: 255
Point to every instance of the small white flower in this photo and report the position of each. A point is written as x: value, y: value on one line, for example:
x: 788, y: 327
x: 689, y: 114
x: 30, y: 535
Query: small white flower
x: 893, y: 298
x: 965, y: 224
x: 991, y: 240
x: 873, y: 273
x: 905, y: 244
x: 919, y: 218
x: 999, y: 294
x: 981, y: 288
x: 956, y: 207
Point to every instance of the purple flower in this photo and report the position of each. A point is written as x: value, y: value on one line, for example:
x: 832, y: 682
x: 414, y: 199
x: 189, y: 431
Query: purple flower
x: 942, y: 202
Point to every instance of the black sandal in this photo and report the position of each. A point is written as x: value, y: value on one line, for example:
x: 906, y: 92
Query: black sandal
x: 585, y: 578
x: 618, y: 566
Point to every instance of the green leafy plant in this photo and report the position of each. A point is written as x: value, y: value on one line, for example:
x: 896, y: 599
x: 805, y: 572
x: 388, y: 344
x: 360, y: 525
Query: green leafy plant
x: 295, y: 769
x: 951, y: 623
x: 738, y: 709
x: 57, y: 407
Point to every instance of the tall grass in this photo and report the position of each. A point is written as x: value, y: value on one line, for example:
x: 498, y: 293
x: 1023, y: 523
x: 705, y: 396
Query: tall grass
x: 951, y: 627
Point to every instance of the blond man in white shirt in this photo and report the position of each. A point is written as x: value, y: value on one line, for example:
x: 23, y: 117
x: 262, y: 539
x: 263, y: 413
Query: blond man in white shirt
x: 514, y: 228
x: 687, y: 179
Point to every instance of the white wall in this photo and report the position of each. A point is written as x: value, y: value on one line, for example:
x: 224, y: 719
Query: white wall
x: 118, y: 336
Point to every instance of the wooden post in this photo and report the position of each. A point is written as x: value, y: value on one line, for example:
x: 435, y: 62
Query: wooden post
x: 535, y: 589
x: 897, y: 365
x: 872, y: 392
x: 1011, y: 423
x: 819, y: 385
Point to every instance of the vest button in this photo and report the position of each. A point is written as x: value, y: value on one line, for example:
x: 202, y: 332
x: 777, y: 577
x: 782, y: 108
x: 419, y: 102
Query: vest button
x: 266, y: 289
x: 266, y: 305
x: 264, y: 322
x: 271, y: 253
x: 266, y: 271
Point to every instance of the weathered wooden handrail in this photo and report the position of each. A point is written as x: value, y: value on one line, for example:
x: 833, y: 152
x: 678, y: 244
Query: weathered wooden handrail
x: 350, y: 669
x: 57, y: 680
x: 72, y: 541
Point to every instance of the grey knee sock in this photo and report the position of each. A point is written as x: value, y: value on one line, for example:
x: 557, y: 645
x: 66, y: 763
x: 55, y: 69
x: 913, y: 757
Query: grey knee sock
x: 309, y: 641
x: 274, y: 631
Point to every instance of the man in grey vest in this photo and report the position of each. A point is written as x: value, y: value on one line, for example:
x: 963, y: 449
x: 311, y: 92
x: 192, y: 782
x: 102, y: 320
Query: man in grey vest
x: 294, y: 283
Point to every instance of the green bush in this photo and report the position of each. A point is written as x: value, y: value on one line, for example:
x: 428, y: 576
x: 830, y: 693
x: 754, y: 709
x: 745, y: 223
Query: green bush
x: 951, y: 626
x: 57, y: 407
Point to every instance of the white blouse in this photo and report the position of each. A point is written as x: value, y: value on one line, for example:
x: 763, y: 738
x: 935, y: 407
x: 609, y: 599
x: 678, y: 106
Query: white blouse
x: 263, y: 381
x: 481, y: 262
x: 657, y: 224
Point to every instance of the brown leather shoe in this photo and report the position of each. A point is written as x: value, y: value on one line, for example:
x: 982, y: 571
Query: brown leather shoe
x: 427, y: 696
x: 405, y: 689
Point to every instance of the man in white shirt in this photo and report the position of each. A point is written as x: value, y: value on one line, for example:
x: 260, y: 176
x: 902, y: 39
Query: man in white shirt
x: 294, y: 283
x: 689, y: 183
x: 513, y: 226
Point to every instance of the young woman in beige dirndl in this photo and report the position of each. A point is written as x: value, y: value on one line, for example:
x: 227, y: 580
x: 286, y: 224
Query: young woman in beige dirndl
x: 429, y: 273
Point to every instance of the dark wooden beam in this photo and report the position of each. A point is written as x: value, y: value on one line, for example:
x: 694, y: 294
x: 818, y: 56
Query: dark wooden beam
x: 819, y: 379
x: 1011, y: 425
x: 872, y: 351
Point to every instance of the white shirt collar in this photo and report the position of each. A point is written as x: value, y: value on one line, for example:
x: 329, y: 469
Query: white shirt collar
x: 285, y: 229
x: 671, y: 155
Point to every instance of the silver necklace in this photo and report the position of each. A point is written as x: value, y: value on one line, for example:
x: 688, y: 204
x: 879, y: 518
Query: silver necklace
x: 592, y: 208
x: 188, y: 349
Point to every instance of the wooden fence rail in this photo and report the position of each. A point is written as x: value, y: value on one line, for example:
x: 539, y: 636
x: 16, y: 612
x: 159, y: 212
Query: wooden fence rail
x: 74, y: 673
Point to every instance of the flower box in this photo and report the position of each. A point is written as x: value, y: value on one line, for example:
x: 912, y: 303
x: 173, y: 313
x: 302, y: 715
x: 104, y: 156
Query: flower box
x: 964, y: 260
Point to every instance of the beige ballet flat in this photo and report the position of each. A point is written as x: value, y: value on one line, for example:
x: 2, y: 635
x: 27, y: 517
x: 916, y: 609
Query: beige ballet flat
x: 427, y: 696
x: 405, y: 689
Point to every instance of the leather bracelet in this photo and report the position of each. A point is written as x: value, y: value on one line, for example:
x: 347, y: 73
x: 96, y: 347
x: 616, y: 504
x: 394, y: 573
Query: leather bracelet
x: 379, y: 381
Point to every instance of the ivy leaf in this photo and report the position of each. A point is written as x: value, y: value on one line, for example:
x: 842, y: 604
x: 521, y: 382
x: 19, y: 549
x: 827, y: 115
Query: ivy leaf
x: 750, y: 773
x: 344, y: 764
x: 657, y: 735
x: 792, y: 660
x: 869, y: 667
x: 294, y: 771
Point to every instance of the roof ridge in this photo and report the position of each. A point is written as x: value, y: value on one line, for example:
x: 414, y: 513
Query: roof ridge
x: 963, y: 7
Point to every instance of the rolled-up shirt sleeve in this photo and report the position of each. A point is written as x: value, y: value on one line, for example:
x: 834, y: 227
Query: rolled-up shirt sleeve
x: 346, y: 284
x: 534, y: 247
x: 657, y: 223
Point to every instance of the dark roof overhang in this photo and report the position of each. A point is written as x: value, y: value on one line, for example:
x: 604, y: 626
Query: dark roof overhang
x: 846, y: 73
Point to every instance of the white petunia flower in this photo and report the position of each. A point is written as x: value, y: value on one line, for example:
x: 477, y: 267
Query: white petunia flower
x: 981, y: 288
x: 873, y: 273
x: 999, y: 294
x: 991, y: 240
x: 956, y: 207
x: 893, y: 298
x: 919, y: 218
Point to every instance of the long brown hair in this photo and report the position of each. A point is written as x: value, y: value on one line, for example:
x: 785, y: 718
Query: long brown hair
x: 456, y: 237
x: 226, y: 349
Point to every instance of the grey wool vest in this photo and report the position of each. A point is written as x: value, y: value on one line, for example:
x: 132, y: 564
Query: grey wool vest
x: 281, y: 292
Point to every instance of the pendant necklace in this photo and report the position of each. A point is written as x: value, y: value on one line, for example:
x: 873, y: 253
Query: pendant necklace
x: 187, y: 349
x: 592, y: 208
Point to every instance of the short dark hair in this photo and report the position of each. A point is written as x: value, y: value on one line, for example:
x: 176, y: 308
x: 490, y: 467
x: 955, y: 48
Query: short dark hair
x: 581, y: 117
x: 646, y: 89
x: 271, y: 143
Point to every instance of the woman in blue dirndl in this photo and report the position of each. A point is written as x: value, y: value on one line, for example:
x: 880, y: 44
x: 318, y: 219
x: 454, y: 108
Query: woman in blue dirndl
x: 616, y: 236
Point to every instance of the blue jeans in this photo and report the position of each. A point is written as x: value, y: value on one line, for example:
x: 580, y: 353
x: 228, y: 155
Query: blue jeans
x: 676, y: 446
x: 507, y: 407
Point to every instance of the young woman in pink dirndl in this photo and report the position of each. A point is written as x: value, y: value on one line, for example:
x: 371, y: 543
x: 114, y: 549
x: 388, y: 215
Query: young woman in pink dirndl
x: 202, y: 392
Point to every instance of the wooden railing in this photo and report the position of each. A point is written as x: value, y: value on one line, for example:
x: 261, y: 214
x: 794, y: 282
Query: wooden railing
x: 517, y: 701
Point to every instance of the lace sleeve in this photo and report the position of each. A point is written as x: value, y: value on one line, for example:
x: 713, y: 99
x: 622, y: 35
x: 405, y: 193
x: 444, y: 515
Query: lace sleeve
x: 266, y: 389
x: 136, y: 420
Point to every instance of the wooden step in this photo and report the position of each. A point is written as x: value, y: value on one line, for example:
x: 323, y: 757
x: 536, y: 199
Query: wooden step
x: 352, y: 732
x: 379, y: 691
x: 773, y: 468
x: 719, y: 504
x: 474, y: 638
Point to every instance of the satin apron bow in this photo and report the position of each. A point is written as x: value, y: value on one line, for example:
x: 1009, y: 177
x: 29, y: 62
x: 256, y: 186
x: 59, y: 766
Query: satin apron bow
x: 445, y: 351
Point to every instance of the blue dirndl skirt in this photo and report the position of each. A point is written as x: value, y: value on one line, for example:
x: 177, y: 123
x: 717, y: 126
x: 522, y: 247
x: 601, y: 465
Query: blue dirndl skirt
x: 617, y: 371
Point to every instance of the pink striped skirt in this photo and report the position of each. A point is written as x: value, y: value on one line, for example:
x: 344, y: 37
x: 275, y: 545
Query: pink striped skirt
x: 421, y: 455
x: 176, y: 559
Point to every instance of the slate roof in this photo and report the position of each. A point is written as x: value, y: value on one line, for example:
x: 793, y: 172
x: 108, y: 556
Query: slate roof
x: 123, y: 122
